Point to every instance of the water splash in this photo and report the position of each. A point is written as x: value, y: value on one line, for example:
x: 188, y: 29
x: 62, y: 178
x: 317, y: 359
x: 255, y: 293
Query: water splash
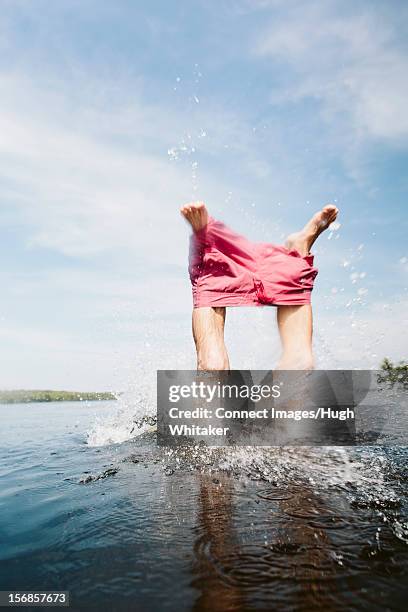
x: 126, y: 421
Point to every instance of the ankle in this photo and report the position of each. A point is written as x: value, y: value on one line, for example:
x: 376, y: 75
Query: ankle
x: 300, y: 242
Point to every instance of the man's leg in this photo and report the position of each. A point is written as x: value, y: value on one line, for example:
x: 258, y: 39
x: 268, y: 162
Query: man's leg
x: 208, y: 323
x: 303, y: 241
x: 295, y: 325
x: 208, y: 332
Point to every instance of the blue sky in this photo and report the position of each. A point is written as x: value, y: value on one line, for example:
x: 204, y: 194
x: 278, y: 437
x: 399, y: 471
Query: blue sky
x: 113, y: 114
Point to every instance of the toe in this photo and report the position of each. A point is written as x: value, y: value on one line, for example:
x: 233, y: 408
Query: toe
x: 329, y: 208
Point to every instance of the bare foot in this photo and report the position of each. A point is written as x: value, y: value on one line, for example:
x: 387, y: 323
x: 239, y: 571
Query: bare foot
x: 302, y: 241
x: 196, y: 214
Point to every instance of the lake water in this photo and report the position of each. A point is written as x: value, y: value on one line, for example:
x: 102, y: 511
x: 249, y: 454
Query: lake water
x: 130, y: 526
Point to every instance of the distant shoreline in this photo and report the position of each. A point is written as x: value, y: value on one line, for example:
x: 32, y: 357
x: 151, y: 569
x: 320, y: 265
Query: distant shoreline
x: 393, y: 374
x: 24, y: 396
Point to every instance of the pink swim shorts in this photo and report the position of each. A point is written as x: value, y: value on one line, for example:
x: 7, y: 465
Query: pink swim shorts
x: 226, y: 269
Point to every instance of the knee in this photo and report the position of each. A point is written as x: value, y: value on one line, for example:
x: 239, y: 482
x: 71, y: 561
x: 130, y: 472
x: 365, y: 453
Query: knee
x: 212, y: 361
x: 306, y: 363
x: 296, y: 362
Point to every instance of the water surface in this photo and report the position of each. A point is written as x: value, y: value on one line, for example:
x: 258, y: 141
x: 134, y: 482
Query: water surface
x: 133, y: 526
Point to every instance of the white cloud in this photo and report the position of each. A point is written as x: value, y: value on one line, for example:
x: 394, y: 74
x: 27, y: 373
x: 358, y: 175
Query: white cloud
x: 87, y: 178
x: 82, y: 196
x: 353, y: 63
x: 361, y: 339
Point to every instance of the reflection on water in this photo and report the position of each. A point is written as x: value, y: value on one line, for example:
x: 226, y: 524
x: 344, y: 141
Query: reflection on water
x: 133, y: 526
x: 293, y: 548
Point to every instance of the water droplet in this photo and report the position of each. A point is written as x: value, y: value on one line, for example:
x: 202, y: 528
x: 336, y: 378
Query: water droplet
x: 172, y: 153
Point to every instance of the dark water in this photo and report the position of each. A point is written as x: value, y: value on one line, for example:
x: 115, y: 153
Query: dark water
x: 197, y: 529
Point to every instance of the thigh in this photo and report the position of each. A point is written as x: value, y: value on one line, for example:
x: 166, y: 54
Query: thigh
x: 295, y: 326
x: 208, y: 324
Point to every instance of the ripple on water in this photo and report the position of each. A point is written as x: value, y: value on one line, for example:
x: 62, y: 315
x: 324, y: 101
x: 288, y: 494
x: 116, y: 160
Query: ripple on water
x: 274, y: 494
